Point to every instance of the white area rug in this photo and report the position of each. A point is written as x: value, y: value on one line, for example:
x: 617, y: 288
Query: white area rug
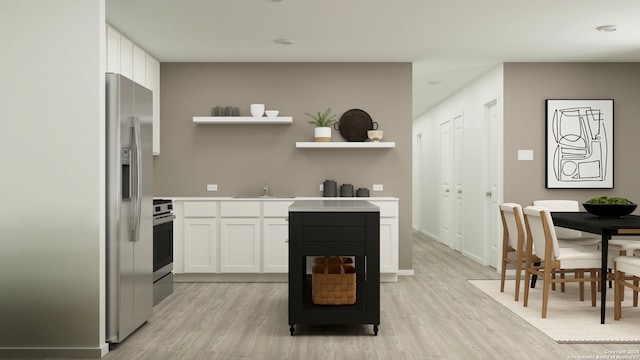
x: 569, y: 320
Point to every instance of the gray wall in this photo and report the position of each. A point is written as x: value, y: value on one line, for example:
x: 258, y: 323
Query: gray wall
x: 527, y: 85
x: 241, y: 158
x: 52, y: 156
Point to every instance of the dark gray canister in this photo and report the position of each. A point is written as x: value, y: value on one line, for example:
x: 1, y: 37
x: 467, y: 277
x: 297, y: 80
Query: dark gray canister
x: 346, y: 190
x: 330, y: 188
x: 362, y: 192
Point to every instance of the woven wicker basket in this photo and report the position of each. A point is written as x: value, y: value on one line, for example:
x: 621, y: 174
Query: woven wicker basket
x: 333, y: 282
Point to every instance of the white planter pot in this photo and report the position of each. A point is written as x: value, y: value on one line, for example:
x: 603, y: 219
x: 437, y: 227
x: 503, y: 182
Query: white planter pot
x: 323, y: 134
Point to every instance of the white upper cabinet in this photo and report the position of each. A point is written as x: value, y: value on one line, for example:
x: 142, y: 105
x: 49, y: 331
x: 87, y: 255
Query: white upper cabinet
x: 128, y: 59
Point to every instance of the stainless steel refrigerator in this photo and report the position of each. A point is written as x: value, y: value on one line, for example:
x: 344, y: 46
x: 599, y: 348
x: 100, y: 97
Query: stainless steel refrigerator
x: 129, y: 223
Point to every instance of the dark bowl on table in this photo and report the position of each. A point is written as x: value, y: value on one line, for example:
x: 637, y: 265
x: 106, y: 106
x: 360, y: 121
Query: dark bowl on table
x: 610, y: 210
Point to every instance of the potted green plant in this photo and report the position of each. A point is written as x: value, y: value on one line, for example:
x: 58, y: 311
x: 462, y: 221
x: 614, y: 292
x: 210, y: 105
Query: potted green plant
x: 323, y: 122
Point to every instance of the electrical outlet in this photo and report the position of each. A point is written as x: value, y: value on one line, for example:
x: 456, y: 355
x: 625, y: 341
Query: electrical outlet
x: 321, y: 187
x: 212, y: 187
x: 378, y: 187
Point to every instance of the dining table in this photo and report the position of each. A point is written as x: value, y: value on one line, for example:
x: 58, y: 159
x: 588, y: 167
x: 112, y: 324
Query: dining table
x: 606, y: 227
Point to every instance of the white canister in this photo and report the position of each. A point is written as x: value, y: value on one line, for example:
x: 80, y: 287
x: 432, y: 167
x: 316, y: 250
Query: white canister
x: 257, y: 110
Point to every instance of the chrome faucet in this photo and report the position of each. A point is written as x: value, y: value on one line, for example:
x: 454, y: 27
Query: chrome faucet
x: 265, y: 189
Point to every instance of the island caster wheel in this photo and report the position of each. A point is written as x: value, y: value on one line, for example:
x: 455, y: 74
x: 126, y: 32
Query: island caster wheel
x: 375, y: 330
x: 292, y: 330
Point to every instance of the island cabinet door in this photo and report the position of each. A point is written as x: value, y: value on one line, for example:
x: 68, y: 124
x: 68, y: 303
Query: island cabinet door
x: 240, y: 245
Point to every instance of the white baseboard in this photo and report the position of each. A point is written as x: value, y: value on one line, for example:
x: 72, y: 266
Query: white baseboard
x: 408, y: 272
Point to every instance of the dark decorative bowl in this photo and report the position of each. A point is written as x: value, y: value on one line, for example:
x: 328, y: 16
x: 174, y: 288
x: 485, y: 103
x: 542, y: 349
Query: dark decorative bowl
x: 609, y: 210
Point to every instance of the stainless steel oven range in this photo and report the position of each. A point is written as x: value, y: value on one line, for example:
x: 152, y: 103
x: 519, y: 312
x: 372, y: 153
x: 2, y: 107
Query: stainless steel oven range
x: 162, y: 249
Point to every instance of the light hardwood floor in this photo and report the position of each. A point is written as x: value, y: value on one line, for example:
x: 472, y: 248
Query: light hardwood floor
x: 435, y: 314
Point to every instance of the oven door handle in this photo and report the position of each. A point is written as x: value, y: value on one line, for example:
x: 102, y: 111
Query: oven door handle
x: 163, y: 220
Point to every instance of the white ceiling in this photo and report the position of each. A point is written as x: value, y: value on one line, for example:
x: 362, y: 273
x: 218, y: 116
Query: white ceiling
x: 453, y: 41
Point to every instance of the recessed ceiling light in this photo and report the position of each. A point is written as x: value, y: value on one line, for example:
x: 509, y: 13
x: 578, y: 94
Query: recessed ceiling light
x: 283, y: 41
x: 434, y: 82
x: 607, y: 28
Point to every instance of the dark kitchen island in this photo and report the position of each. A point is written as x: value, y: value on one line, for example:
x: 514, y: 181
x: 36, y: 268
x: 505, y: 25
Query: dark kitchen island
x: 334, y: 228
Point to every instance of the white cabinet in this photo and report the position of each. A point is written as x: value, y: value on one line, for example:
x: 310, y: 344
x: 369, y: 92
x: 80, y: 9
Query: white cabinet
x: 240, y: 245
x: 389, y: 241
x: 240, y: 237
x: 200, y: 245
x: 139, y: 65
x: 275, y: 236
x: 247, y: 240
x: 152, y: 78
x: 200, y: 237
x: 126, y: 58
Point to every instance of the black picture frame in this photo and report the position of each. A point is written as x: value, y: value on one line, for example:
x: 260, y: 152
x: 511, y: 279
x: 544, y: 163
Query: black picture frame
x: 579, y: 144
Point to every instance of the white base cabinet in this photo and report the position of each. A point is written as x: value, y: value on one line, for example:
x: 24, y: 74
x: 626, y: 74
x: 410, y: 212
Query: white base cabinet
x: 240, y: 245
x: 275, y: 242
x: 200, y: 245
x: 214, y: 238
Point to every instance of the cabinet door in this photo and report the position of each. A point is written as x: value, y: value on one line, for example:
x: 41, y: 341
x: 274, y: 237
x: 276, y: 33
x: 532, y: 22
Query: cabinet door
x: 275, y: 242
x: 240, y: 245
x: 139, y: 66
x: 200, y: 245
x: 126, y: 57
x: 152, y: 69
x: 388, y: 245
x: 113, y: 50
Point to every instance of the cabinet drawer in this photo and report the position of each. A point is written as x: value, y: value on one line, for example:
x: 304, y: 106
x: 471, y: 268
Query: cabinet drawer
x: 240, y: 208
x: 334, y: 219
x: 334, y: 234
x: 200, y: 209
x: 276, y: 208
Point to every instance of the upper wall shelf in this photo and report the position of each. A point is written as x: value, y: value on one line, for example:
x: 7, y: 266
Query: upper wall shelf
x: 345, y: 145
x: 244, y: 120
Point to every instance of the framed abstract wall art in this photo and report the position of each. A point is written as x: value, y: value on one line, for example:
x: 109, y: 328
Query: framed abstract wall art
x: 579, y: 144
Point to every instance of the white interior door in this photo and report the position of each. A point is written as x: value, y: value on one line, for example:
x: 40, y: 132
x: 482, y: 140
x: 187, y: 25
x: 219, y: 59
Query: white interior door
x: 493, y: 193
x: 458, y: 163
x: 446, y: 173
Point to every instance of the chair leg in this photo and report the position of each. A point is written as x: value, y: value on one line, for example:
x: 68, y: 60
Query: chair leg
x: 525, y: 301
x: 593, y: 277
x: 581, y: 284
x: 545, y: 293
x: 503, y: 274
x: 534, y: 277
x: 635, y: 294
x: 617, y: 301
x: 518, y: 271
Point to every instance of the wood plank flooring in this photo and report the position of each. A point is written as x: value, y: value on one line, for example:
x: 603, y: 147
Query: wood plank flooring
x: 435, y: 314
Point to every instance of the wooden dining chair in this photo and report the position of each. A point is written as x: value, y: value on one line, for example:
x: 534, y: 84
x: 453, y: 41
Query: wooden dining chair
x: 627, y: 274
x: 513, y: 243
x: 569, y: 237
x: 578, y: 260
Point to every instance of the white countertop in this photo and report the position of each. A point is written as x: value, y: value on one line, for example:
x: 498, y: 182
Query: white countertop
x: 284, y: 198
x: 332, y: 205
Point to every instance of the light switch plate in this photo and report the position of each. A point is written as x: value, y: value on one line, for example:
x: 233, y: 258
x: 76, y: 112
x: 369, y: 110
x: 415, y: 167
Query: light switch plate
x: 212, y: 187
x: 525, y: 154
x: 378, y: 187
x: 321, y: 187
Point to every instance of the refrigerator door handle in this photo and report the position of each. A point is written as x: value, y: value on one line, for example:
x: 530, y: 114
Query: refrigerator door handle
x: 137, y: 211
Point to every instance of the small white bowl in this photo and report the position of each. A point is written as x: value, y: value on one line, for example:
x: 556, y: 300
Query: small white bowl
x: 272, y: 113
x: 375, y: 135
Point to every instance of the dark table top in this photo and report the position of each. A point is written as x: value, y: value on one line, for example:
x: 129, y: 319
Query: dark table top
x: 584, y: 221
